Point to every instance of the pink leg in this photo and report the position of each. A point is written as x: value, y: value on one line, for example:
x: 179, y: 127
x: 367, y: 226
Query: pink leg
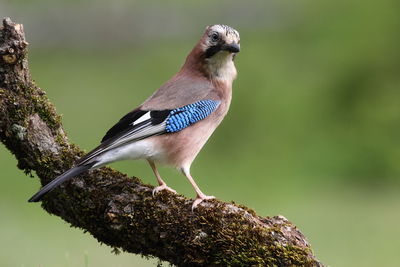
x: 161, y: 183
x: 200, y: 195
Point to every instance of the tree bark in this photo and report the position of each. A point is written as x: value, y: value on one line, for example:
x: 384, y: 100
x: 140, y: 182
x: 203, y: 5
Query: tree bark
x: 120, y: 211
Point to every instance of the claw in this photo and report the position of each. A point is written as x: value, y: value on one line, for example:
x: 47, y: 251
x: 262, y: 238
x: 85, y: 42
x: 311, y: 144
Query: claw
x: 199, y: 199
x: 162, y: 187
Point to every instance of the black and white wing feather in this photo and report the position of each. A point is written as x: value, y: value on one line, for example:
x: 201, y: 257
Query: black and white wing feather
x: 134, y: 126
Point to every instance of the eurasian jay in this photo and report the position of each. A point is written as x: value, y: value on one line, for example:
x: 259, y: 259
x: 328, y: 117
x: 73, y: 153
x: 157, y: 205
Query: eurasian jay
x: 173, y: 124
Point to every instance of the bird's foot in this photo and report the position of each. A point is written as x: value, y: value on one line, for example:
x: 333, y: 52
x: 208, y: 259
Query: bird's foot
x: 162, y: 187
x: 199, y: 199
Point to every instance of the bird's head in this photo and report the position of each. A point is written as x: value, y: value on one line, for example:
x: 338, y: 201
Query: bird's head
x: 214, y: 53
x: 221, y: 41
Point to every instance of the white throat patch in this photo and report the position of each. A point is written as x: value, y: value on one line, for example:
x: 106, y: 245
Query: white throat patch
x: 221, y: 66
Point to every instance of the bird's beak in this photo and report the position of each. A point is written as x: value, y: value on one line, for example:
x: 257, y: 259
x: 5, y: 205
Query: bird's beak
x: 233, y: 47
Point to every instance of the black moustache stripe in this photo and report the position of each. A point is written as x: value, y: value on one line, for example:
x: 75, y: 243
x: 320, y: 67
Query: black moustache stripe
x: 213, y: 50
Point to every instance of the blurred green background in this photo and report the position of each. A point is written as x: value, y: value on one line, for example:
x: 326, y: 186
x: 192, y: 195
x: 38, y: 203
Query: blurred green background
x: 317, y: 101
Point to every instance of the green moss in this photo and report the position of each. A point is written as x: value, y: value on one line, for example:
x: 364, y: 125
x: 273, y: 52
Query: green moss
x: 211, y: 237
x: 41, y: 105
x: 19, y: 131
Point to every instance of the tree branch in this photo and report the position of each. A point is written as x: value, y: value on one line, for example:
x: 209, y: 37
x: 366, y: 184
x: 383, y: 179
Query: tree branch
x: 120, y: 211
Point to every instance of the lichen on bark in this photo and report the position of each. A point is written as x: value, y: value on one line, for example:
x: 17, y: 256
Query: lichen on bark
x: 120, y: 211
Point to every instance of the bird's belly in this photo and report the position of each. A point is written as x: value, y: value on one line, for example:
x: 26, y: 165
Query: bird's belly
x: 142, y: 149
x: 180, y: 149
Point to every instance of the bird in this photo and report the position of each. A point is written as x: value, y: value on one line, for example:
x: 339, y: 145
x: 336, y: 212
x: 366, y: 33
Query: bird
x: 174, y: 123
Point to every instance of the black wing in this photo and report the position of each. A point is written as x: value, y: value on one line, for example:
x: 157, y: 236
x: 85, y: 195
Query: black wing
x: 124, y: 123
x: 134, y: 126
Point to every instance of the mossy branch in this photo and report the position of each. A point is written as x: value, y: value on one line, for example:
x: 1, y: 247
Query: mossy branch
x: 120, y: 211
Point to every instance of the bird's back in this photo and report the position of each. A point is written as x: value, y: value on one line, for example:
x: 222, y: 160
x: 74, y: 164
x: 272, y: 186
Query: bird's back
x: 179, y: 91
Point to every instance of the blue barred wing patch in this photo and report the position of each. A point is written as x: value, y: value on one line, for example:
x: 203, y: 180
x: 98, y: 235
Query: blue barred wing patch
x: 183, y: 117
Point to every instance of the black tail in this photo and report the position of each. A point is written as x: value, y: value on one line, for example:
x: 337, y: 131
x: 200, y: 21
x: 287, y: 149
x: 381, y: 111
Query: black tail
x: 59, y: 180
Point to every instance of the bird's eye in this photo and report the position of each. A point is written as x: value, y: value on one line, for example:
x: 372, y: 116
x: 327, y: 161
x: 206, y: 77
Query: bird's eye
x: 215, y: 37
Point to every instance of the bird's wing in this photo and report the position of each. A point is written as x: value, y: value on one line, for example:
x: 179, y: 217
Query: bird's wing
x: 140, y: 124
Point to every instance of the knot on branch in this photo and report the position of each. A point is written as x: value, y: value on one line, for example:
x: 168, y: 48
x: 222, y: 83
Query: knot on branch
x: 15, y: 47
